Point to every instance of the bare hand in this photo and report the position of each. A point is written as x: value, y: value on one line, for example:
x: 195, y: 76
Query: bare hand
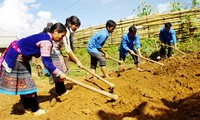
x: 132, y: 53
x: 175, y: 47
x: 106, y: 56
x: 79, y: 64
x: 63, y: 76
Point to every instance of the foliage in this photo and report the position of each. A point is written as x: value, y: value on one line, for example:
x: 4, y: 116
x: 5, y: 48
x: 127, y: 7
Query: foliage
x: 188, y: 26
x: 195, y: 3
x: 176, y: 6
x: 144, y: 9
x: 148, y: 46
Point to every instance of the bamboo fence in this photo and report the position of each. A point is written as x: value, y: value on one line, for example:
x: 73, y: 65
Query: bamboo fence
x: 186, y: 24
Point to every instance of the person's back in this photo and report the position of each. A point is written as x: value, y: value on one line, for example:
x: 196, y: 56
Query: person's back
x: 29, y: 45
x: 97, y: 40
x: 95, y: 45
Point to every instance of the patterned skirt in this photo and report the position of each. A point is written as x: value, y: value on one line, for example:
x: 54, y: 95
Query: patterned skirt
x: 19, y: 81
x: 59, y: 62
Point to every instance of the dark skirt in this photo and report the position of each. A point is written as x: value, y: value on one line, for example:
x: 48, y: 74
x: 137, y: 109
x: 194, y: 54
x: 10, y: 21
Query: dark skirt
x: 19, y: 81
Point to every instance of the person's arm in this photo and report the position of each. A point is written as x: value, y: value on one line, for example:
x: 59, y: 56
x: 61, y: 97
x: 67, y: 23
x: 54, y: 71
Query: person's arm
x: 137, y: 44
x: 99, y: 44
x: 75, y: 59
x: 104, y: 53
x: 131, y: 52
x: 174, y: 39
x: 139, y: 52
x: 45, y: 50
x: 71, y: 54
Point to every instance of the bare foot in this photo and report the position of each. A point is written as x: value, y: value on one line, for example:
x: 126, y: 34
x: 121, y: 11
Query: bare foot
x: 53, y: 102
x: 140, y: 70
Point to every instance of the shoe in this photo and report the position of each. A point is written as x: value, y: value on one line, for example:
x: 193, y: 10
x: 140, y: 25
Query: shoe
x: 39, y: 112
x: 27, y: 111
x: 159, y: 58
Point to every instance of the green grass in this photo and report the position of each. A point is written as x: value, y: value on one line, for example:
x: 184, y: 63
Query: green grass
x: 148, y: 49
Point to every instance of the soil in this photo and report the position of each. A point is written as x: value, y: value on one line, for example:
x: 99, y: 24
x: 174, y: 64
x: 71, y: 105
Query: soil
x: 169, y: 92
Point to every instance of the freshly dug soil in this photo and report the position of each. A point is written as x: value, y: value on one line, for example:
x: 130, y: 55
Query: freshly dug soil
x: 170, y: 92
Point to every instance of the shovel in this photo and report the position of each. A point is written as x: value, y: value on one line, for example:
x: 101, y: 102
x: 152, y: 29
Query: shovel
x: 102, y: 79
x: 175, y: 49
x: 149, y: 60
x: 113, y: 96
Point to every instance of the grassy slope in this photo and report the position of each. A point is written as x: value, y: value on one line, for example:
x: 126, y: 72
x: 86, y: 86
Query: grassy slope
x: 148, y: 49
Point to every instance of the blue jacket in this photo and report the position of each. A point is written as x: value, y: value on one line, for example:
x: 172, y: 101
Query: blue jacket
x: 97, y: 41
x: 165, y: 36
x: 129, y: 43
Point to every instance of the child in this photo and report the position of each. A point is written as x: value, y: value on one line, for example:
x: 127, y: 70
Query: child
x: 167, y: 36
x: 72, y: 24
x: 129, y: 40
x: 95, y: 45
x: 15, y: 73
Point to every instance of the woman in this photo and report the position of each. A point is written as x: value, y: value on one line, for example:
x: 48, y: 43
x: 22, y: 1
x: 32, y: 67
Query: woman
x: 72, y: 24
x: 15, y: 73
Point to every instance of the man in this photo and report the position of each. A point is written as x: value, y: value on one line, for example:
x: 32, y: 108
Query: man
x: 167, y: 36
x: 95, y: 45
x: 129, y: 40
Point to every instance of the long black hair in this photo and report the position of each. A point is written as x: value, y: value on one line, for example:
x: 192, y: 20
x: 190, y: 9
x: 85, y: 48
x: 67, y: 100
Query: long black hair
x: 73, y: 20
x: 59, y: 26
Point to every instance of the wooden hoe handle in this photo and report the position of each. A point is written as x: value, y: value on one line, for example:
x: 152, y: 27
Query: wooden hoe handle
x: 113, y: 96
x: 176, y: 49
x: 102, y: 79
x: 121, y: 62
x: 150, y: 60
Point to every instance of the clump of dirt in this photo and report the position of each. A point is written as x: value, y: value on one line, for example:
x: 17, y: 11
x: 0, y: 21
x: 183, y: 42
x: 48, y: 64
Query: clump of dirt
x: 159, y: 93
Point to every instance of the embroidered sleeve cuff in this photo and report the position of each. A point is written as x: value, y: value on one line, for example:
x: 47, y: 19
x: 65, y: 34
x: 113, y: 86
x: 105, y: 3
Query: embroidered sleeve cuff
x: 56, y: 72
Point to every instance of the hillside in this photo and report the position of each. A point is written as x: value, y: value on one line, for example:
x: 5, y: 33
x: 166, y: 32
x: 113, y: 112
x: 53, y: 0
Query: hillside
x: 158, y: 93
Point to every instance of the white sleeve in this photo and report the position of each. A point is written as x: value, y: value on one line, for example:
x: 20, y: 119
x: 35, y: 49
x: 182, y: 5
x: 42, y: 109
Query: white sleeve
x: 66, y: 41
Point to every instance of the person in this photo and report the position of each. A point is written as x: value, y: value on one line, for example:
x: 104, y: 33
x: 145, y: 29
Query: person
x: 167, y: 36
x: 72, y: 24
x: 95, y: 50
x: 128, y: 42
x: 15, y: 73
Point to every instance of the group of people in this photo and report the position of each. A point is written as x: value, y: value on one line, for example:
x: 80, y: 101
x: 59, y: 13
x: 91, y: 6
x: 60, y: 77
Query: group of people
x: 15, y: 70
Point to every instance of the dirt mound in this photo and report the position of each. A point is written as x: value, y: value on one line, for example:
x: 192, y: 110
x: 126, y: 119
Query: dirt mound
x: 159, y: 93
